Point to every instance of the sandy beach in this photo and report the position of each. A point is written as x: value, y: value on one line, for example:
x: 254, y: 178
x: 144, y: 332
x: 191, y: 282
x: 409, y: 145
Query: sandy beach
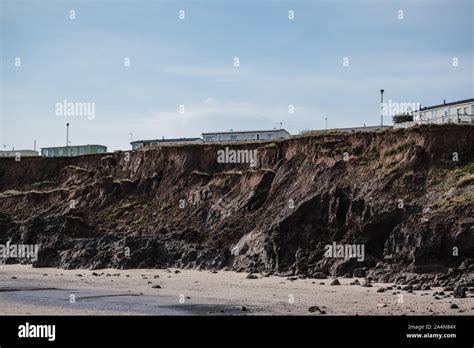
x: 49, y: 291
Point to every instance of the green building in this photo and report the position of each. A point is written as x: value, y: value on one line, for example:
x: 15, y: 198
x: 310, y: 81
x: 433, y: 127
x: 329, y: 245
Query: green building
x: 76, y: 150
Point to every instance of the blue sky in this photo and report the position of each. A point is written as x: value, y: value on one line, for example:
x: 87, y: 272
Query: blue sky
x: 190, y: 62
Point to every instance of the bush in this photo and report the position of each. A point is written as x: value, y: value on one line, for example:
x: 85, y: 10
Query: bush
x: 402, y: 118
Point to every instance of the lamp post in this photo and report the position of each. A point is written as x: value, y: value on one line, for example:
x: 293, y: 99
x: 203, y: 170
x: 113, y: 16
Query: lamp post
x: 326, y: 123
x: 67, y: 139
x: 381, y: 108
x: 278, y: 130
x: 131, y: 137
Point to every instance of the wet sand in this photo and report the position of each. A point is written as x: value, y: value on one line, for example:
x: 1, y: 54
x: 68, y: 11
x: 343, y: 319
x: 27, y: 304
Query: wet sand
x: 51, y: 291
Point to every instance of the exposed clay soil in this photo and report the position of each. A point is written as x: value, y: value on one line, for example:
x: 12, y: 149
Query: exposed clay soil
x: 176, y: 206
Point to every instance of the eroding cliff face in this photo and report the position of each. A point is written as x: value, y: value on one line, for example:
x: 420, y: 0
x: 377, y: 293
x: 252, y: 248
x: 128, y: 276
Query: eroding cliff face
x: 405, y: 196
